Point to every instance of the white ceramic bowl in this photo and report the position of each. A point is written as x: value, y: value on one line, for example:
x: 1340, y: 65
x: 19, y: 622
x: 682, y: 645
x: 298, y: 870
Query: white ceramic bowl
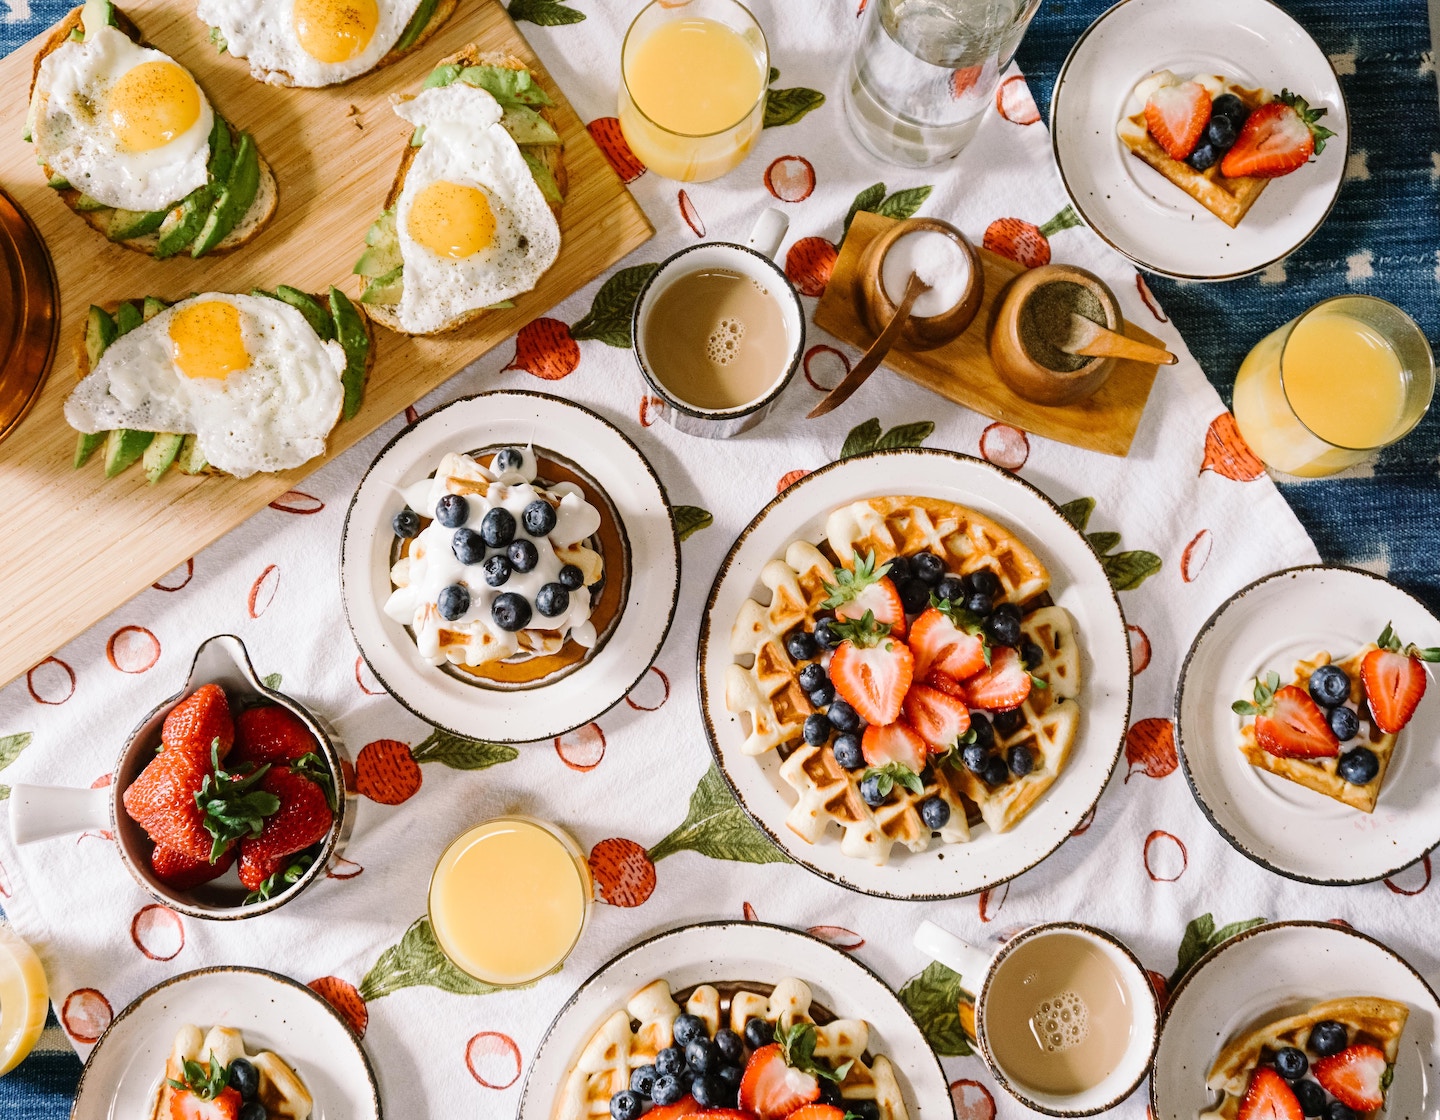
x: 1132, y: 206
x: 1078, y: 583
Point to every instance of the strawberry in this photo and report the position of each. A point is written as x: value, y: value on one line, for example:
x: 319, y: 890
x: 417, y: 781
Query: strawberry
x: 1394, y: 679
x: 944, y: 682
x: 772, y: 1089
x: 1269, y: 1098
x: 1002, y: 686
x: 1288, y: 723
x: 685, y: 1106
x: 740, y: 1114
x: 936, y: 716
x: 182, y: 873
x: 871, y: 669
x: 162, y: 802
x: 271, y: 733
x: 1275, y: 139
x: 894, y: 743
x: 866, y: 588
x: 194, y: 724
x: 817, y: 1111
x: 255, y: 868
x: 203, y: 1093
x: 303, y: 817
x: 950, y: 640
x: 1177, y: 116
x: 1358, y: 1075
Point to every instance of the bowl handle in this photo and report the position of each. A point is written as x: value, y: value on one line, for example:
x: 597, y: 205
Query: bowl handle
x: 44, y: 812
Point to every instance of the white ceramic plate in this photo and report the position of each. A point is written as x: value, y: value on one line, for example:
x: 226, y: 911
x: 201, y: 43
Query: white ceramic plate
x: 272, y: 1011
x: 1281, y: 969
x: 1078, y: 584
x: 1280, y: 825
x: 599, y: 450
x: 1132, y: 206
x: 715, y: 952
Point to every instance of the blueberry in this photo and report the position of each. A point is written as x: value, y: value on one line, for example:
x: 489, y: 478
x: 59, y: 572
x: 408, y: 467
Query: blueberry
x: 813, y: 676
x: 914, y: 594
x: 974, y: 757
x: 995, y: 771
x: 687, y: 1029
x: 453, y: 601
x: 244, y: 1079
x: 927, y: 568
x: 842, y: 716
x: 1229, y: 106
x: 701, y: 1054
x: 642, y: 1080
x: 467, y: 546
x: 899, y: 568
x: 848, y: 754
x: 758, y: 1032
x: 552, y: 600
x: 870, y: 791
x: 523, y: 555
x: 1291, y: 1063
x: 508, y: 459
x: 825, y: 634
x: 935, y: 812
x: 497, y: 528
x: 822, y: 694
x: 1310, y: 1096
x: 1328, y: 1037
x: 978, y: 603
x: 1009, y: 722
x: 669, y: 1062
x: 730, y: 1076
x: 984, y: 733
x: 1221, y: 131
x: 406, y: 524
x: 538, y: 518
x: 801, y: 646
x: 571, y: 578
x: 1329, y: 686
x: 253, y: 1110
x: 1358, y: 765
x: 816, y: 729
x: 1339, y: 1110
x: 452, y: 511
x: 1031, y: 655
x: 730, y: 1045
x: 1345, y: 723
x: 985, y: 581
x: 510, y: 611
x: 1020, y: 759
x: 1003, y: 630
x: 496, y: 569
x: 626, y: 1105
x: 708, y: 1091
x: 830, y: 1094
x: 950, y: 588
x: 1203, y: 157
x: 863, y: 1110
x: 668, y: 1088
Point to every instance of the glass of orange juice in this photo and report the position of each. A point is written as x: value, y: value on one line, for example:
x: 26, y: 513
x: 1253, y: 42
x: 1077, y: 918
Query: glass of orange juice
x: 692, y: 89
x: 1333, y: 386
x: 509, y: 900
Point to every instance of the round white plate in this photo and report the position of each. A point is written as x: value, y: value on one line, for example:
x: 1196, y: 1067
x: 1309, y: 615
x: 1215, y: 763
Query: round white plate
x: 599, y: 450
x: 715, y: 952
x: 1282, y: 969
x: 1280, y: 825
x: 1078, y: 584
x: 1134, y: 207
x: 273, y: 1012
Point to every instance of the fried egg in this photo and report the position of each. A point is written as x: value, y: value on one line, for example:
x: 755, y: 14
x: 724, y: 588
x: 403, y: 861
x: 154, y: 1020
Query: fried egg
x: 473, y: 225
x: 246, y: 374
x: 309, y: 42
x: 127, y: 125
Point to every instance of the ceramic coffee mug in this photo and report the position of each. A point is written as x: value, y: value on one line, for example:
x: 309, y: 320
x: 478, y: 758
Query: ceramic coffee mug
x: 755, y: 262
x: 1030, y: 1009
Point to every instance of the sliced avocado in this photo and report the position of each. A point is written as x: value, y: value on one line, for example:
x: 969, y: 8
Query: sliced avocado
x: 416, y: 25
x: 543, y: 178
x: 193, y: 212
x: 100, y: 332
x: 376, y: 262
x: 85, y: 445
x: 87, y: 205
x: 383, y: 254
x: 218, y: 38
x: 222, y: 150
x: 441, y: 76
x: 417, y: 137
x: 315, y: 315
x: 160, y: 454
x: 95, y: 15
x: 128, y: 316
x: 526, y: 126
x: 190, y: 460
x: 122, y: 447
x: 59, y: 183
x: 264, y: 293
x: 382, y: 230
x: 235, y: 198
x: 502, y: 305
x: 153, y: 306
x: 385, y: 289
x: 125, y: 224
x: 350, y: 328
x: 509, y: 87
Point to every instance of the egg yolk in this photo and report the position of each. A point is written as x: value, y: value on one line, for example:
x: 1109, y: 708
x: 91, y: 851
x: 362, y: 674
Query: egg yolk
x: 152, y: 104
x: 335, y: 30
x: 205, y: 340
x: 452, y: 220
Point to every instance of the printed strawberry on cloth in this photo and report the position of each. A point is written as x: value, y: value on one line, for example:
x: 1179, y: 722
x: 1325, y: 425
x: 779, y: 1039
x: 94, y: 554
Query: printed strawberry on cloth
x: 1184, y: 521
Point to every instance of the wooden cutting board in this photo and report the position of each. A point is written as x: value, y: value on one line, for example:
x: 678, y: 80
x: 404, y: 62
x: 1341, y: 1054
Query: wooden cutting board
x: 962, y: 371
x: 91, y: 544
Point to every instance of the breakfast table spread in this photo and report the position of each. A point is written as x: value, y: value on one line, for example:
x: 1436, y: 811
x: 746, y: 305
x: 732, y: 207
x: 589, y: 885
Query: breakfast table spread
x: 645, y: 787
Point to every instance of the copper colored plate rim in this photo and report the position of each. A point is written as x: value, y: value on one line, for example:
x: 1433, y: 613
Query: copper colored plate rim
x: 27, y: 357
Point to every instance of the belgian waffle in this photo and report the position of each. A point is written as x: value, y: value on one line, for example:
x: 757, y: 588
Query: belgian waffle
x: 281, y: 1091
x: 633, y: 1035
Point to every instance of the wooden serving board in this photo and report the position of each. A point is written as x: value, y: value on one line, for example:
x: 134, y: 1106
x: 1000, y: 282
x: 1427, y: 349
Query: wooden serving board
x: 962, y: 370
x: 93, y: 543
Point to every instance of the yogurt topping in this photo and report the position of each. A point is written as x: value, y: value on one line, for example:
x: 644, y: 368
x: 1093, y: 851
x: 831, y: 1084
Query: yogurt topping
x: 475, y: 637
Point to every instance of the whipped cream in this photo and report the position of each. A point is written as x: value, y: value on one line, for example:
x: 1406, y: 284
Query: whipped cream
x: 475, y: 638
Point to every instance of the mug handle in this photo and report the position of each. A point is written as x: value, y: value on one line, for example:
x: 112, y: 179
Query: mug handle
x: 942, y: 945
x: 44, y: 812
x: 769, y: 231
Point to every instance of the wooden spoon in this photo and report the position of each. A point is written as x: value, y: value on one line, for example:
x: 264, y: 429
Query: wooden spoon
x: 876, y: 354
x: 1089, y: 338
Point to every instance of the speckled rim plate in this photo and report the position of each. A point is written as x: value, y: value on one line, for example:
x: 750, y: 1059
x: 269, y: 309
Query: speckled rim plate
x: 717, y: 952
x: 1078, y: 583
x: 1279, y: 969
x: 604, y: 453
x: 1282, y: 826
x: 273, y: 1012
x: 1133, y: 207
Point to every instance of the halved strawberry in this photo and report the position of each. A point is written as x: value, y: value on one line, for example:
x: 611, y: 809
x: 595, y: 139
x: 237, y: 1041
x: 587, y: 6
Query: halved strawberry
x: 1288, y: 724
x: 936, y: 716
x: 951, y: 641
x: 883, y: 744
x: 743, y: 1114
x: 185, y: 1105
x: 944, y: 682
x: 1356, y: 1075
x: 1269, y: 1098
x: 685, y: 1106
x: 1394, y: 679
x: 196, y: 722
x: 1275, y: 139
x: 1002, y: 686
x: 773, y: 1090
x: 818, y: 1111
x: 866, y: 588
x: 871, y: 669
x: 1177, y: 116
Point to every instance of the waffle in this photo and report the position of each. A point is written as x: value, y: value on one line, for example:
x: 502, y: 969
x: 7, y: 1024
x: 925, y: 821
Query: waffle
x: 633, y: 1035
x: 281, y: 1091
x: 1322, y: 774
x: 1366, y: 1018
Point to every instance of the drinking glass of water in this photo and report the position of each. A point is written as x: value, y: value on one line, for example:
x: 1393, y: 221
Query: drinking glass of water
x: 924, y: 71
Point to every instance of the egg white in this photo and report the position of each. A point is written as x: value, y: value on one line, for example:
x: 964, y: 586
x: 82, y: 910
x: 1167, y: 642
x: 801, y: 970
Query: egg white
x: 271, y: 416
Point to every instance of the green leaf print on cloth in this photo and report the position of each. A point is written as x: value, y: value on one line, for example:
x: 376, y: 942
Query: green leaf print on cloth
x: 1200, y: 937
x: 417, y: 960
x: 547, y: 13
x: 1125, y: 570
x: 460, y: 753
x: 933, y: 998
x: 786, y: 106
x: 690, y: 520
x: 717, y: 827
x: 609, y: 317
x: 869, y: 437
x: 900, y: 205
x: 10, y: 748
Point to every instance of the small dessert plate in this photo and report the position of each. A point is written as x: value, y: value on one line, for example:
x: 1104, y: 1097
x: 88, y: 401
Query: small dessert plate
x: 1132, y: 206
x: 1280, y: 969
x: 1283, y: 826
x: 1077, y: 583
x: 753, y: 952
x: 273, y: 1012
x: 648, y: 567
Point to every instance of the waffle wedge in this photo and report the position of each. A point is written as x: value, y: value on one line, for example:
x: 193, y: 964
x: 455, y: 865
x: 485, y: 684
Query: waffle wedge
x: 280, y: 1089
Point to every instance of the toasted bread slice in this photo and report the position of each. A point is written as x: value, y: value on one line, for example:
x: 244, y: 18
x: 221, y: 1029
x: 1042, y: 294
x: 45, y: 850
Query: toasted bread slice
x: 256, y: 216
x: 553, y: 156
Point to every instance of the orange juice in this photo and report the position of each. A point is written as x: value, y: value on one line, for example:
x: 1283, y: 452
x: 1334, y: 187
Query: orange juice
x: 509, y: 899
x: 24, y: 999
